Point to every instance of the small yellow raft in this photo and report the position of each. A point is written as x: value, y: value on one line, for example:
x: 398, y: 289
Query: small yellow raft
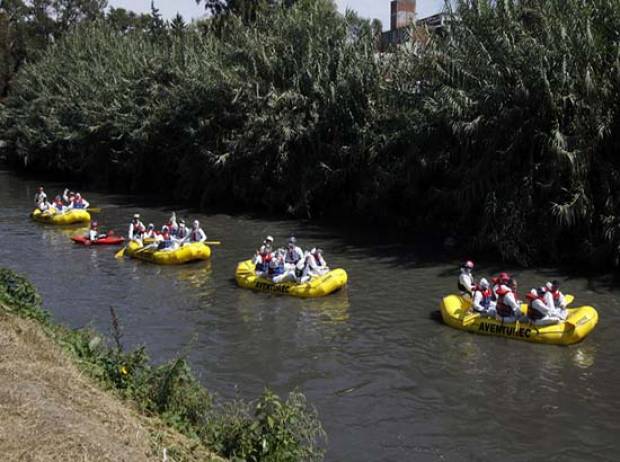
x: 317, y: 287
x: 188, y: 252
x: 69, y: 217
x: 579, y: 323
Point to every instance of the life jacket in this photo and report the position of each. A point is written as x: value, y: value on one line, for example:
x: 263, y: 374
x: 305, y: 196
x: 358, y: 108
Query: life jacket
x: 292, y: 255
x: 532, y: 312
x: 182, y: 233
x: 195, y: 235
x: 462, y: 287
x: 556, y: 295
x: 504, y: 310
x: 265, y: 259
x: 317, y: 260
x: 487, y: 296
x: 78, y: 204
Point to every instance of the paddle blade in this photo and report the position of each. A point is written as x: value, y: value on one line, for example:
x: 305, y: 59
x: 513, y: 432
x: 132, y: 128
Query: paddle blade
x: 94, y: 209
x: 120, y: 253
x: 212, y: 243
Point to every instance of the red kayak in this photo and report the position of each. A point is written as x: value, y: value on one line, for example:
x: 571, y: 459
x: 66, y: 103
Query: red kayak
x: 108, y: 240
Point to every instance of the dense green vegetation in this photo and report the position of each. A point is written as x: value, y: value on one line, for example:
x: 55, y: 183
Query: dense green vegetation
x: 267, y: 429
x: 500, y: 131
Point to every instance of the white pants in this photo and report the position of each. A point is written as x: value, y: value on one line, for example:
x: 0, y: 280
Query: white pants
x: 546, y: 321
x: 284, y: 277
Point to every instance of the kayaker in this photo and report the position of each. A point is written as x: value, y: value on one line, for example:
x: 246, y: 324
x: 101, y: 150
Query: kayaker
x: 93, y: 232
x: 294, y: 254
x: 196, y: 234
x: 182, y: 231
x: 79, y: 202
x: 39, y: 197
x: 483, y: 299
x: 539, y: 312
x: 466, y: 278
x: 136, y: 228
x: 507, y: 308
x: 555, y: 299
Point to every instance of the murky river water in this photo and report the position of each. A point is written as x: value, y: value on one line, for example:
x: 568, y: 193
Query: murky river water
x: 390, y: 383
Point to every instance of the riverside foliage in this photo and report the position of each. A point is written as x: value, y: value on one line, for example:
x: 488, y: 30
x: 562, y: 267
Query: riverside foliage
x: 501, y: 130
x: 266, y: 429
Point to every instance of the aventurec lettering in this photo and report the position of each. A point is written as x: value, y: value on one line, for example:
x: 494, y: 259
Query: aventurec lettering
x: 272, y: 287
x: 507, y: 331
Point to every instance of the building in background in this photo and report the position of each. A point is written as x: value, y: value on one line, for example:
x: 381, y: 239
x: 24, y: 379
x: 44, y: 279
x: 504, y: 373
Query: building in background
x: 403, y: 16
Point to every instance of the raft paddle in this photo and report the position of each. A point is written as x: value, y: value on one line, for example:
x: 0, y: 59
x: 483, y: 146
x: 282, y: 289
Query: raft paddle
x: 120, y: 253
x: 212, y: 243
x: 94, y: 209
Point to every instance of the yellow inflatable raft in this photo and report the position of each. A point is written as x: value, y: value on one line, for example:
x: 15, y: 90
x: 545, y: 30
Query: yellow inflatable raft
x: 316, y: 287
x: 184, y: 254
x: 579, y: 323
x: 69, y: 217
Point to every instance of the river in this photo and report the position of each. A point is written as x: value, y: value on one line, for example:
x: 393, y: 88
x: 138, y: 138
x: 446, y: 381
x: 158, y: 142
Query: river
x: 390, y: 382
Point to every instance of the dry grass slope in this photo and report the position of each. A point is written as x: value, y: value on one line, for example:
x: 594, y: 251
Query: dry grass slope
x: 50, y: 411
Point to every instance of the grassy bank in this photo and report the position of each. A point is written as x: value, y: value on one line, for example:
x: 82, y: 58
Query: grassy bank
x: 66, y: 395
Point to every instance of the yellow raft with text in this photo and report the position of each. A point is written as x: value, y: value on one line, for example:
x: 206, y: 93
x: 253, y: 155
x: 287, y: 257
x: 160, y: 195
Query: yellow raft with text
x: 455, y: 311
x: 69, y: 217
x: 186, y: 253
x: 318, y: 286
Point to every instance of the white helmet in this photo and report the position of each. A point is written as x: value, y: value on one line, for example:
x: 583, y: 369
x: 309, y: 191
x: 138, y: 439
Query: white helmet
x: 484, y: 283
x: 269, y: 239
x: 196, y: 224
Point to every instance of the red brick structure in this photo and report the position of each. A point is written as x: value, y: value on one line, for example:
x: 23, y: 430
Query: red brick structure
x: 402, y: 14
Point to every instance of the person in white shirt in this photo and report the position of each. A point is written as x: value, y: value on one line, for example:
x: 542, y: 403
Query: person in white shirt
x: 466, y: 278
x: 136, y: 228
x: 294, y: 254
x: 555, y: 299
x: 483, y: 302
x: 508, y: 309
x: 40, y: 197
x: 315, y: 265
x: 150, y: 232
x: 539, y: 312
x: 196, y: 234
x: 182, y: 231
x: 79, y: 202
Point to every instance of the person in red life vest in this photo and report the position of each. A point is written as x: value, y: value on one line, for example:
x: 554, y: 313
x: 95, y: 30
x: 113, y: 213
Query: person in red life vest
x: 173, y: 226
x: 502, y: 278
x: 165, y: 240
x: 508, y: 308
x: 196, y: 234
x: 40, y: 197
x: 466, y: 278
x: 150, y: 232
x: 182, y: 232
x: 263, y: 257
x: 136, y: 228
x: 79, y: 202
x: 483, y: 302
x: 539, y: 312
x: 555, y: 299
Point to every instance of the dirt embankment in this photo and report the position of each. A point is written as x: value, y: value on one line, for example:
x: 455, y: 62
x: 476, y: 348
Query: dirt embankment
x: 50, y: 411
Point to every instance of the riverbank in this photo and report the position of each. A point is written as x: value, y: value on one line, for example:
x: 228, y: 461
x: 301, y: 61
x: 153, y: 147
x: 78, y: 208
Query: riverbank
x: 65, y: 395
x: 50, y: 410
